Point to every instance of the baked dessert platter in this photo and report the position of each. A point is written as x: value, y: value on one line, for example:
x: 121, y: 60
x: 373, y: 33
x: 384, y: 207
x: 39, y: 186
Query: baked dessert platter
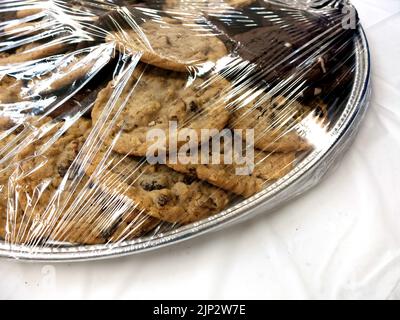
x: 84, y: 84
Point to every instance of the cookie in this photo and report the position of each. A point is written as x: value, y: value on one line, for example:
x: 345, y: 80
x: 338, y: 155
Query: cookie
x: 67, y: 220
x: 195, y: 6
x: 10, y: 143
x: 158, y: 190
x: 134, y: 225
x: 268, y: 168
x: 5, y: 172
x: 160, y: 96
x: 39, y: 176
x: 9, y: 13
x: 239, y: 3
x: 56, y: 201
x: 4, y: 54
x: 83, y: 226
x: 68, y: 72
x: 28, y: 12
x: 6, y: 16
x: 95, y: 217
x: 71, y: 71
x: 10, y: 89
x: 206, y: 6
x: 22, y: 28
x: 50, y: 158
x: 170, y: 44
x: 3, y: 226
x: 34, y: 51
x: 43, y: 165
x: 273, y: 121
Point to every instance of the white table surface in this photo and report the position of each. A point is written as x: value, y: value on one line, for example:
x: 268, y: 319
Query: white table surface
x: 340, y: 240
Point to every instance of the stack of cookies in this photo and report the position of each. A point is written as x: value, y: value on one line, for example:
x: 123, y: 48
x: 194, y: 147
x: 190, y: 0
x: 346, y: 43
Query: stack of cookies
x: 78, y: 107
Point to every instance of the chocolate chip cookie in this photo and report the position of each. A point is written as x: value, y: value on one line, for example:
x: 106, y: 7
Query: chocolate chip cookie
x: 28, y: 12
x: 61, y: 74
x: 44, y: 166
x: 152, y: 98
x: 34, y: 51
x: 158, y: 190
x: 10, y: 89
x: 171, y: 44
x: 268, y: 168
x: 55, y: 200
x: 273, y: 120
x: 5, y: 171
x: 70, y: 71
x: 11, y: 142
x: 94, y: 217
x: 239, y: 3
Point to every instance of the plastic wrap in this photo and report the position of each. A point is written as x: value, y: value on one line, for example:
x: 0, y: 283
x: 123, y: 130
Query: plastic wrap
x: 124, y: 121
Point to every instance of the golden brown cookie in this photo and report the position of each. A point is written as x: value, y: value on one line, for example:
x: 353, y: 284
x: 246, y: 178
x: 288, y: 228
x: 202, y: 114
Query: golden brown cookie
x: 72, y: 70
x: 153, y: 98
x: 239, y: 3
x: 3, y: 222
x: 10, y: 89
x: 133, y: 226
x: 158, y: 190
x: 28, y: 12
x: 34, y: 51
x: 43, y: 165
x: 56, y: 202
x: 273, y: 122
x: 205, y: 5
x: 95, y: 217
x: 22, y: 28
x: 268, y: 168
x: 10, y: 144
x: 5, y: 172
x: 195, y: 6
x: 170, y: 44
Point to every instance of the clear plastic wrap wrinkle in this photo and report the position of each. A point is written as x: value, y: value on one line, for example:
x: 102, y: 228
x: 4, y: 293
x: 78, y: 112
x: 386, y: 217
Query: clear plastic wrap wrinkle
x: 129, y: 125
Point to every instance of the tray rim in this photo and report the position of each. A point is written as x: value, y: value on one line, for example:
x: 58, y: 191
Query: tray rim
x: 269, y: 198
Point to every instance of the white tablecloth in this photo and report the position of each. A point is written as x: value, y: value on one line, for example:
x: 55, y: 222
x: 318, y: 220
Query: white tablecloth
x: 341, y: 240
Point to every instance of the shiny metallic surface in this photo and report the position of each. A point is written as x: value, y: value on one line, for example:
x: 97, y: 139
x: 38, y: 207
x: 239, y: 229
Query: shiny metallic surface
x: 309, y: 170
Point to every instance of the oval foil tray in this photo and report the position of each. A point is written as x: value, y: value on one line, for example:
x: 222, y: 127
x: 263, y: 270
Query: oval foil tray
x: 306, y: 174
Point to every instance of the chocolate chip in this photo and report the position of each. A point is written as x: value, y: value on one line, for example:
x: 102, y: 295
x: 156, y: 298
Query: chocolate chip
x: 62, y: 170
x: 109, y: 231
x: 163, y: 200
x: 19, y: 129
x: 193, y: 107
x: 106, y: 234
x: 192, y: 171
x: 152, y: 185
x: 272, y: 116
x: 189, y: 179
x: 129, y: 125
